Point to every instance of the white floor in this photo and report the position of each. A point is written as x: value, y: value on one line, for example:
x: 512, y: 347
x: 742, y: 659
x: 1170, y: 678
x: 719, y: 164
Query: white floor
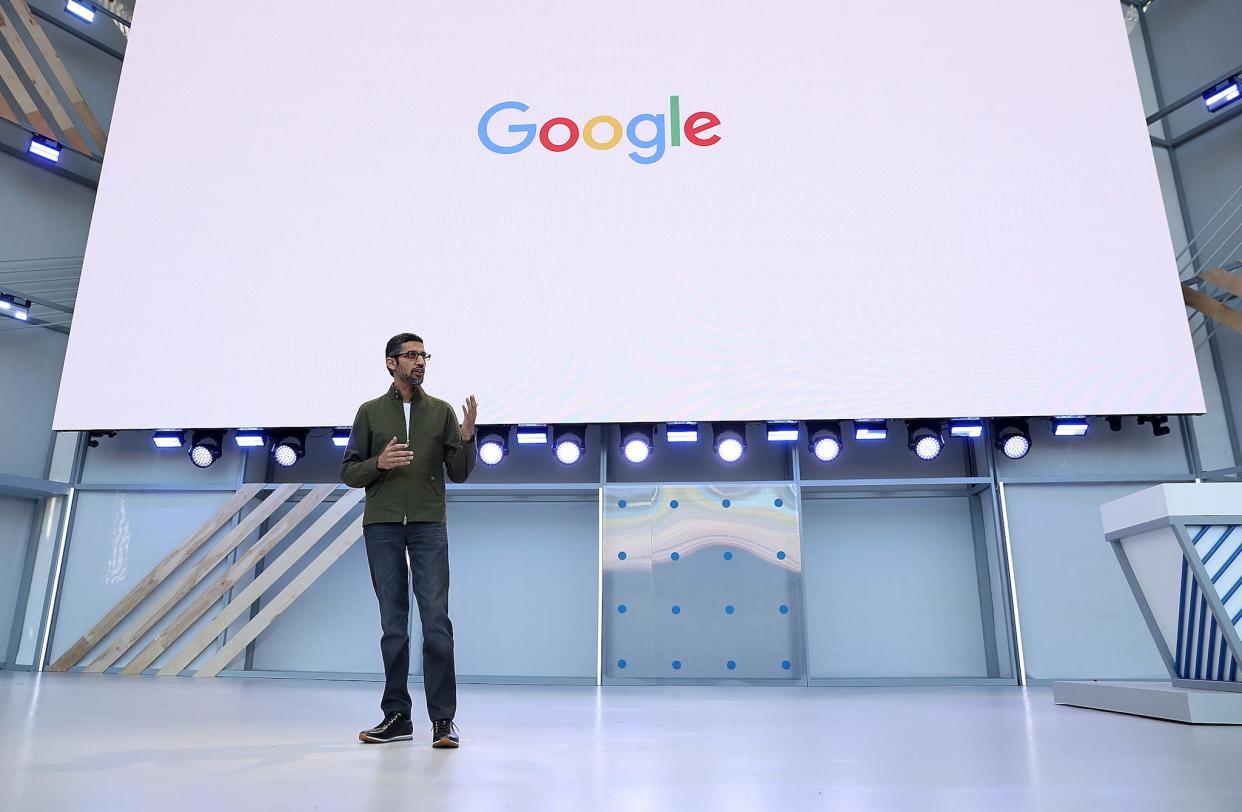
x: 79, y: 741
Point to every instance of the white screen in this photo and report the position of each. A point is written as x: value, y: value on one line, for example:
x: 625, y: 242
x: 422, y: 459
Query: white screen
x: 912, y: 210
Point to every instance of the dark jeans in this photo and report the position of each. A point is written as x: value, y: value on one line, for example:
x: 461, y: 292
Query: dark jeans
x: 427, y: 546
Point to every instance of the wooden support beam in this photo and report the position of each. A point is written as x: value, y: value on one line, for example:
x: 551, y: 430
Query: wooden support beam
x: 201, y: 569
x: 27, y: 18
x: 40, y: 84
x: 1213, y: 309
x: 30, y: 110
x: 241, y: 602
x: 244, y: 564
x: 155, y: 577
x: 1224, y: 280
x: 277, y: 605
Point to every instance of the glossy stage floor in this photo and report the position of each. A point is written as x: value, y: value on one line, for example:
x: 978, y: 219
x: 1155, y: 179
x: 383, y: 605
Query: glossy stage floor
x: 76, y: 741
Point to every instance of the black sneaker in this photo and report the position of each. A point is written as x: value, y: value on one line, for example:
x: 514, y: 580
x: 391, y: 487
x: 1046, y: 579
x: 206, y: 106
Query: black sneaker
x: 396, y: 727
x: 444, y: 733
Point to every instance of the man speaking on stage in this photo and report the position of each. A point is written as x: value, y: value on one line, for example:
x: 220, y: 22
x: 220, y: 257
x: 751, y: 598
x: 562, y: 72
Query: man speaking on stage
x: 400, y: 449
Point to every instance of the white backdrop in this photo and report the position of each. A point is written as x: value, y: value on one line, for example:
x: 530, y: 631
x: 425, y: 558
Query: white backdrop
x: 939, y: 210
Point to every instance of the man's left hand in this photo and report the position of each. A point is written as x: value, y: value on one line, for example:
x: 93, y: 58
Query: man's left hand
x: 470, y: 411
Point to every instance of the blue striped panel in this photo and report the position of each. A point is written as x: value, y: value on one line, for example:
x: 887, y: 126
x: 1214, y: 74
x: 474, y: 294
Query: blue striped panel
x: 1224, y: 536
x: 1183, y: 605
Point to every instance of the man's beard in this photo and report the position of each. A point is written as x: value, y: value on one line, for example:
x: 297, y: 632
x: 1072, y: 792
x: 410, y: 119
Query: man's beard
x: 411, y: 379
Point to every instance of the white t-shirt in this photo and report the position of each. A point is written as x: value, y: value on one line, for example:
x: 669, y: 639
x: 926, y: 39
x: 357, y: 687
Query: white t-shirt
x: 406, y: 406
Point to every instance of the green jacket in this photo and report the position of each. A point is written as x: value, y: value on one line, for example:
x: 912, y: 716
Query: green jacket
x: 415, y: 492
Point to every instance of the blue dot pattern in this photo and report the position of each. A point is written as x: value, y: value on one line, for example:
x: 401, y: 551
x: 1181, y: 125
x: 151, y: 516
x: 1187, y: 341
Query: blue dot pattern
x: 676, y: 609
x: 675, y: 556
x: 621, y: 555
x: 673, y: 504
x: 784, y: 609
x: 676, y: 665
x: 728, y: 556
x: 786, y: 665
x: 731, y: 665
x: 621, y: 663
x: 728, y: 610
x: 726, y: 503
x: 621, y: 609
x: 780, y: 502
x: 621, y: 504
x: 781, y: 555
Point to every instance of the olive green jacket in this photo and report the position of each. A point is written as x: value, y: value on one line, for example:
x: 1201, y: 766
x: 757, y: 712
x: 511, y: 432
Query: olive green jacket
x: 415, y: 492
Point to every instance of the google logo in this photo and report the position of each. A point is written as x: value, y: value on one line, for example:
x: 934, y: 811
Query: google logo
x: 604, y: 132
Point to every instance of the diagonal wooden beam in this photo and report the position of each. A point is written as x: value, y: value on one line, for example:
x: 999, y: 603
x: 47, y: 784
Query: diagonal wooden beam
x: 41, y: 85
x: 244, y: 564
x: 242, y: 602
x: 201, y: 569
x: 27, y: 18
x: 155, y: 577
x: 1213, y: 309
x: 6, y: 112
x: 1224, y: 280
x: 277, y: 605
x: 25, y: 101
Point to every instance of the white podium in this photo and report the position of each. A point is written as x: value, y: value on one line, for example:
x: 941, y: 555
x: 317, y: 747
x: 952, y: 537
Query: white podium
x: 1180, y: 548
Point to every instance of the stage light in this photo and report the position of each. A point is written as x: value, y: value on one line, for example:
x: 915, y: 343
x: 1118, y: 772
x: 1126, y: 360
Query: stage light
x: 1224, y: 94
x: 870, y: 429
x: 249, y: 438
x: 782, y: 431
x: 966, y: 427
x: 14, y: 307
x: 45, y: 148
x: 1069, y: 426
x: 82, y: 11
x: 1159, y: 424
x: 1013, y: 438
x: 636, y: 442
x: 288, y: 446
x: 168, y: 439
x: 569, y: 443
x: 340, y: 436
x: 729, y: 440
x: 493, y: 444
x: 924, y: 438
x: 824, y: 437
x: 205, y: 447
x: 682, y: 432
x: 532, y: 433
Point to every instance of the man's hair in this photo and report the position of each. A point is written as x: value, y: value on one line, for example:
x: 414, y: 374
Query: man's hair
x: 394, y: 345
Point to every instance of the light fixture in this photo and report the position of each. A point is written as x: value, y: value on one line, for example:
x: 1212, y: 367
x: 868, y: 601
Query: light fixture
x: 493, y: 444
x: 924, y: 437
x: 1069, y: 426
x: 168, y: 439
x: 1159, y: 424
x: 1223, y: 94
x: 249, y: 438
x: 340, y: 436
x: 45, y: 148
x: 288, y: 446
x: 569, y: 443
x: 636, y: 441
x: 681, y: 432
x: 971, y: 427
x: 15, y: 308
x: 205, y: 447
x: 824, y: 437
x: 729, y: 440
x: 870, y: 429
x: 1013, y: 438
x: 532, y: 433
x: 83, y: 11
x: 782, y: 431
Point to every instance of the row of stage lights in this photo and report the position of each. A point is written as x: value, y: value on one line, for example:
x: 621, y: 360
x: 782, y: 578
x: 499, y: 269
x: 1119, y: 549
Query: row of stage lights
x: 825, y: 440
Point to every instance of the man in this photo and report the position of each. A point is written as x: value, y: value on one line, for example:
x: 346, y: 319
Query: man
x: 400, y: 447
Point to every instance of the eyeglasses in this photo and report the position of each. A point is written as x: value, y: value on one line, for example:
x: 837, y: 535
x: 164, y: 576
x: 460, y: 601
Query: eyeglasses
x: 413, y: 355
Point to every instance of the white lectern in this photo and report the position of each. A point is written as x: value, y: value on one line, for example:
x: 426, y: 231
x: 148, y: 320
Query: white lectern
x: 1180, y: 547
